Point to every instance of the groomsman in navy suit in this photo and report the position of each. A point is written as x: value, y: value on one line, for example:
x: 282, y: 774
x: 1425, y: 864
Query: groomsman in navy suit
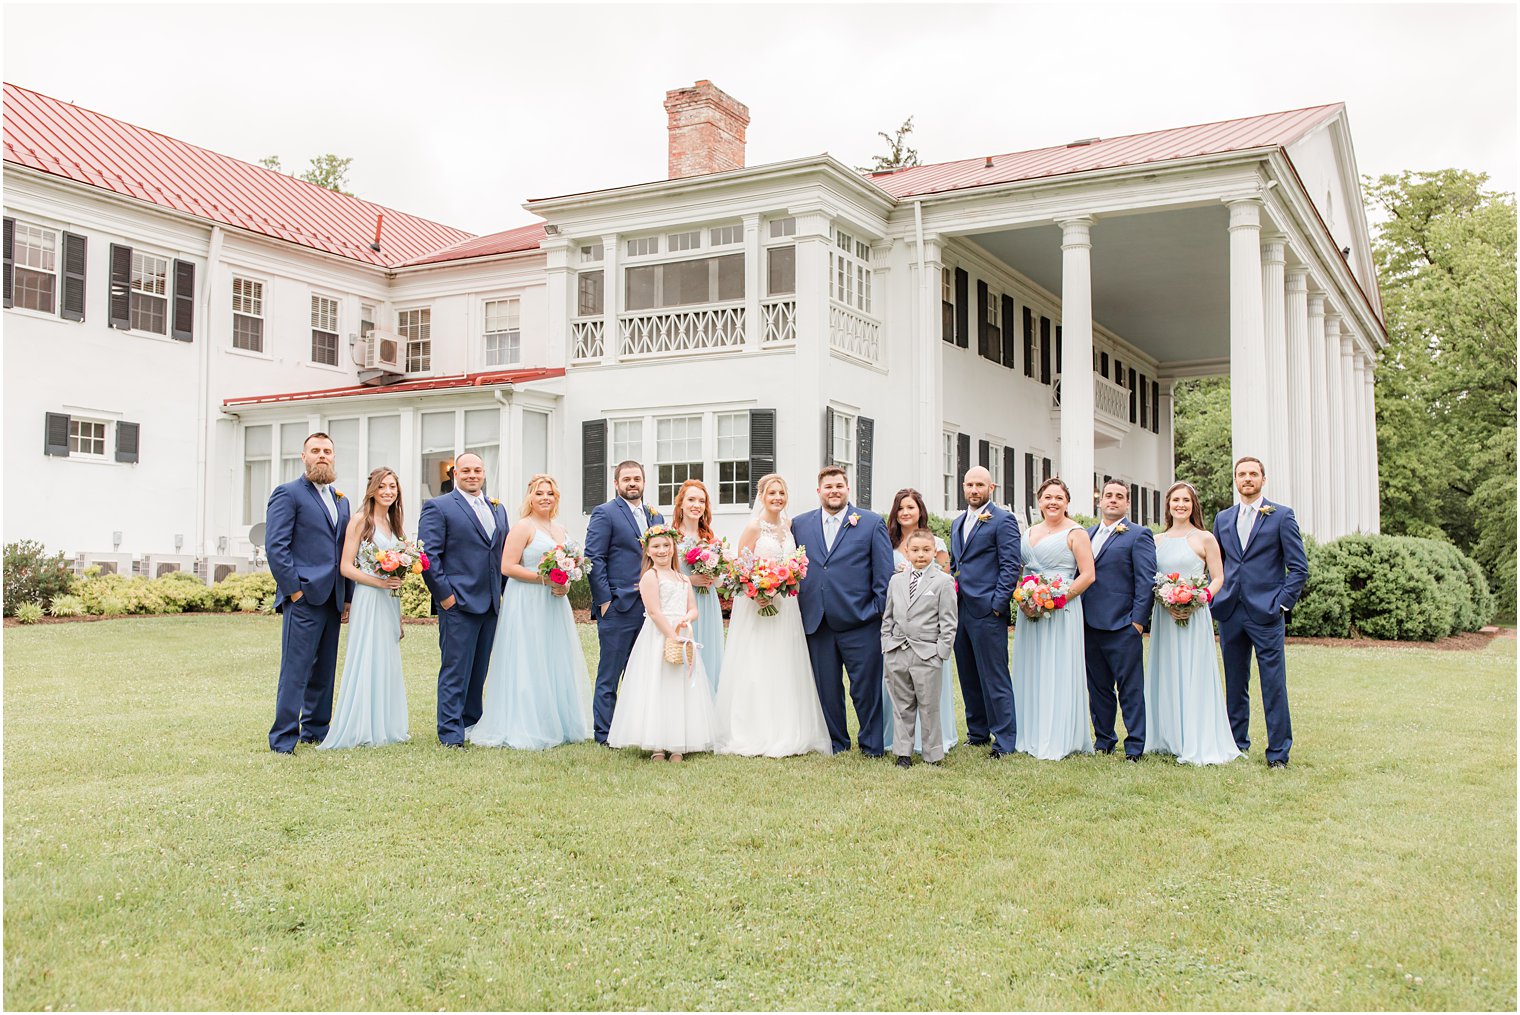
x: 615, y: 548
x: 304, y: 525
x: 1116, y: 608
x: 841, y: 601
x: 985, y: 561
x: 463, y: 532
x: 1265, y: 569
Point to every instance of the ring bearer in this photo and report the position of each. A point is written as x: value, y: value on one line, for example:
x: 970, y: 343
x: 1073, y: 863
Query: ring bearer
x: 917, y: 638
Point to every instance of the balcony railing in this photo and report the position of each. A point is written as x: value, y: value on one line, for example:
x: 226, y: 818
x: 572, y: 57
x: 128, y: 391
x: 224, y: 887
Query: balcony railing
x: 854, y: 334
x: 1110, y: 410
x: 587, y: 338
x: 779, y: 319
x: 682, y: 330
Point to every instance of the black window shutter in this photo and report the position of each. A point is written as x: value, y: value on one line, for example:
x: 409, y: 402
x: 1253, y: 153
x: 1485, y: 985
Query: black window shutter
x: 762, y: 447
x: 1010, y: 474
x: 1145, y: 402
x: 71, y: 307
x: 962, y: 308
x: 962, y: 464
x: 184, y: 301
x: 865, y: 440
x: 1134, y: 493
x: 1156, y: 505
x: 1009, y: 360
x: 1132, y: 399
x: 120, y: 302
x: 127, y: 437
x: 1028, y: 342
x: 55, y: 434
x: 947, y: 321
x: 10, y: 257
x: 1059, y: 360
x: 1029, y: 482
x: 1044, y: 350
x: 983, y: 454
x: 1103, y: 364
x: 593, y: 464
x: 828, y: 436
x: 1155, y: 407
x: 1044, y: 469
x: 983, y: 336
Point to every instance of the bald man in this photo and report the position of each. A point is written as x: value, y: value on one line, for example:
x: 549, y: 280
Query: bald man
x: 984, y: 558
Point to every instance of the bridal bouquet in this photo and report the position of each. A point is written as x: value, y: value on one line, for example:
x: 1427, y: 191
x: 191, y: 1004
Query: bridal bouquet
x: 563, y: 565
x: 1182, y: 595
x: 395, y: 562
x: 1038, y: 595
x: 765, y: 580
x: 708, y: 559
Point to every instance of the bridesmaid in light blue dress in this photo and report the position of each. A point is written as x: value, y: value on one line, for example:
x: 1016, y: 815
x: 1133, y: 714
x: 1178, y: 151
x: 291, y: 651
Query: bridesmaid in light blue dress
x: 908, y: 513
x: 537, y: 686
x: 371, y: 709
x: 1184, y: 699
x: 1049, y: 661
x: 693, y: 518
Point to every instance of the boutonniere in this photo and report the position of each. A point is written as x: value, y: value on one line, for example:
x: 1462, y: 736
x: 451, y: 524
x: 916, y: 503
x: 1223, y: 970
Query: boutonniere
x: 985, y: 516
x: 1267, y: 509
x: 854, y: 519
x: 494, y: 502
x: 338, y: 494
x: 1120, y: 529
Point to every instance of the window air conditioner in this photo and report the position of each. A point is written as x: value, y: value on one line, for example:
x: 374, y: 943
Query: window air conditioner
x: 383, y: 350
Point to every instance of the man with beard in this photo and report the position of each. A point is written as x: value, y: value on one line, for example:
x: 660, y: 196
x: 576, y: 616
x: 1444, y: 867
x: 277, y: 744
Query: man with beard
x: 304, y: 526
x: 985, y: 561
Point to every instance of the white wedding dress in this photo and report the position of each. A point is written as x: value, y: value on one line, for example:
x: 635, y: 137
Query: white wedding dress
x: 767, y: 701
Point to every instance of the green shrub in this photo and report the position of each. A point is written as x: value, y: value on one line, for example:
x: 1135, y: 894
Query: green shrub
x: 245, y: 592
x: 28, y: 613
x: 67, y: 606
x: 112, y: 606
x: 940, y: 525
x: 416, y: 600
x: 1324, y: 608
x: 32, y: 575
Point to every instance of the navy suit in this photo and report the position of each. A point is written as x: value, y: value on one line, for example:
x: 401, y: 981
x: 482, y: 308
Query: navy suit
x: 1119, y: 597
x: 616, y: 553
x: 305, y: 548
x: 986, y: 568
x: 1261, y: 584
x: 841, y: 601
x: 465, y: 563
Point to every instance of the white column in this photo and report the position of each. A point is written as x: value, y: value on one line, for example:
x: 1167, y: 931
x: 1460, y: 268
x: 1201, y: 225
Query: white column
x: 1275, y: 341
x: 1335, y: 501
x: 612, y: 300
x: 1248, y: 359
x: 1319, y: 418
x: 1369, y: 388
x: 754, y: 283
x: 1359, y: 428
x: 1077, y: 396
x: 1353, y: 474
x: 1300, y: 392
x: 802, y: 452
x: 928, y: 360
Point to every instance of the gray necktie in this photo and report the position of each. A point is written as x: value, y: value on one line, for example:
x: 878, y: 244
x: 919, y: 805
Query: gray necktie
x: 967, y: 526
x: 1103, y: 533
x: 481, y: 512
x: 332, y: 507
x: 1244, y: 517
x: 830, y: 530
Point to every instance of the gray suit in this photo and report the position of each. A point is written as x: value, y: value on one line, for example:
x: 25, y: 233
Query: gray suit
x: 917, y: 637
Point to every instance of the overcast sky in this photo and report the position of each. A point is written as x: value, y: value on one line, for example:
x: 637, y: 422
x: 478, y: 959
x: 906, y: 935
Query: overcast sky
x: 461, y: 113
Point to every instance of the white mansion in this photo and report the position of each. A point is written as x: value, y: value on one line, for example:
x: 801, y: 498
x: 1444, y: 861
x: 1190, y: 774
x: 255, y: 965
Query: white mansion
x: 176, y: 321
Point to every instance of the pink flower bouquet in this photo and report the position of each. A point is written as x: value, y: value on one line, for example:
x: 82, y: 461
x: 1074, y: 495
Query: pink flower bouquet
x: 765, y: 580
x: 1183, y: 596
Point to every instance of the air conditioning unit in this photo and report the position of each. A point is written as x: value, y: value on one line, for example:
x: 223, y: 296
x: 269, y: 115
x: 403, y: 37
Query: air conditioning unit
x: 382, y: 350
x: 215, y: 569
x: 109, y: 563
x: 156, y: 565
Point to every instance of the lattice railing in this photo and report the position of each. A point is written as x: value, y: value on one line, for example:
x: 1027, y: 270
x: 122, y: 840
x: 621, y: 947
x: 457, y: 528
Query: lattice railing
x: 1109, y: 399
x: 853, y: 334
x: 587, y: 336
x: 779, y: 319
x: 707, y: 329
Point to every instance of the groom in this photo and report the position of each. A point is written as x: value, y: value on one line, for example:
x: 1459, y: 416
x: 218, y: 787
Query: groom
x: 463, y: 533
x: 615, y: 548
x: 1265, y: 569
x: 306, y: 521
x: 985, y: 561
x: 841, y: 600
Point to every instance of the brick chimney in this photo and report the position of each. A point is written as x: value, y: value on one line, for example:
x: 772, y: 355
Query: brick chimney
x: 706, y: 130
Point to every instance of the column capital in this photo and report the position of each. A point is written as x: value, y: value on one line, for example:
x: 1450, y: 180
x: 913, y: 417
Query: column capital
x: 1076, y: 231
x: 1245, y: 213
x: 1297, y: 277
x: 1274, y: 248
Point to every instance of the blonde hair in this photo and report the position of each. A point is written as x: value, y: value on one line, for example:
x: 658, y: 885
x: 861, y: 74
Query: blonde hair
x: 533, y: 484
x: 765, y: 483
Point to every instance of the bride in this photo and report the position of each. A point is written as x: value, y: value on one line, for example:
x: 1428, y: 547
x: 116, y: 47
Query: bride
x: 767, y: 701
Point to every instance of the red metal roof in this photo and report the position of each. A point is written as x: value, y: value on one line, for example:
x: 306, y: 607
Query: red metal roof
x: 479, y: 380
x: 513, y: 240
x: 1266, y: 130
x: 65, y: 140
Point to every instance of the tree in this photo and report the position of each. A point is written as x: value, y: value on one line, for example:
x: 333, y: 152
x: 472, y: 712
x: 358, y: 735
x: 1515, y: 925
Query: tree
x: 330, y: 171
x: 1445, y: 254
x: 899, y: 155
x: 1201, y: 418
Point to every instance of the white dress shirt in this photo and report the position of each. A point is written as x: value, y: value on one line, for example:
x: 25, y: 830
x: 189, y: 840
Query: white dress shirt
x: 831, y: 523
x: 1101, y: 536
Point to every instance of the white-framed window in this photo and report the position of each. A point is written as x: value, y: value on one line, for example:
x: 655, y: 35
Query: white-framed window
x: 725, y: 236
x: 781, y: 270
x: 947, y: 306
x: 850, y: 272
x: 87, y: 437
x: 34, y: 284
x: 690, y: 240
x: 247, y: 314
x: 416, y: 327
x: 503, y: 332
x: 626, y: 444
x: 947, y: 469
x: 535, y: 442
x: 258, y: 455
x: 292, y: 440
x: 324, y: 330
x: 591, y: 253
x: 683, y: 283
x: 482, y: 436
x: 678, y: 454
x: 783, y: 227
x: 995, y: 467
x: 732, y: 429
x: 991, y: 310
x: 588, y: 301
x: 842, y: 450
x: 347, y: 462
x: 150, y: 293
x: 643, y: 246
x: 436, y: 446
x: 366, y: 319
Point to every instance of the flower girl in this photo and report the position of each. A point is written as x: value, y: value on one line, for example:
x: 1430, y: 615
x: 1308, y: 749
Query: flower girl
x: 663, y: 705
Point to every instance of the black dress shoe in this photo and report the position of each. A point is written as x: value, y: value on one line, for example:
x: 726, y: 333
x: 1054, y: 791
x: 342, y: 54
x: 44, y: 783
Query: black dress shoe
x: 286, y: 751
x: 977, y: 743
x: 995, y: 754
x: 1133, y: 759
x: 904, y: 762
x: 454, y: 747
x: 1280, y: 763
x: 1103, y: 750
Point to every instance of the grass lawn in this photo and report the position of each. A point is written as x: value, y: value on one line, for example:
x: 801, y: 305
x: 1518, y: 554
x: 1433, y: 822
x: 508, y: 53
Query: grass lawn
x: 157, y: 855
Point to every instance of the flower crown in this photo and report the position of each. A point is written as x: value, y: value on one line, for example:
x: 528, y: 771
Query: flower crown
x: 659, y: 530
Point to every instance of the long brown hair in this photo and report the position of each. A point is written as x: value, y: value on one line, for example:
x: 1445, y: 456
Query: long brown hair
x: 646, y: 563
x: 1196, y: 515
x: 678, y: 514
x: 1054, y: 481
x: 367, y: 506
x: 894, y: 527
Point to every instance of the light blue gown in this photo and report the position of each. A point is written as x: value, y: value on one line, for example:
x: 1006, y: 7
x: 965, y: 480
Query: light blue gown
x: 1184, y: 699
x: 708, y: 628
x: 371, y: 709
x: 946, y: 694
x: 536, y: 691
x: 1049, y: 663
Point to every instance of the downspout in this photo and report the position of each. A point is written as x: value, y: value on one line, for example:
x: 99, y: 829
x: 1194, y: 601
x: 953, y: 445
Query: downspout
x: 923, y: 375
x: 203, y: 421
